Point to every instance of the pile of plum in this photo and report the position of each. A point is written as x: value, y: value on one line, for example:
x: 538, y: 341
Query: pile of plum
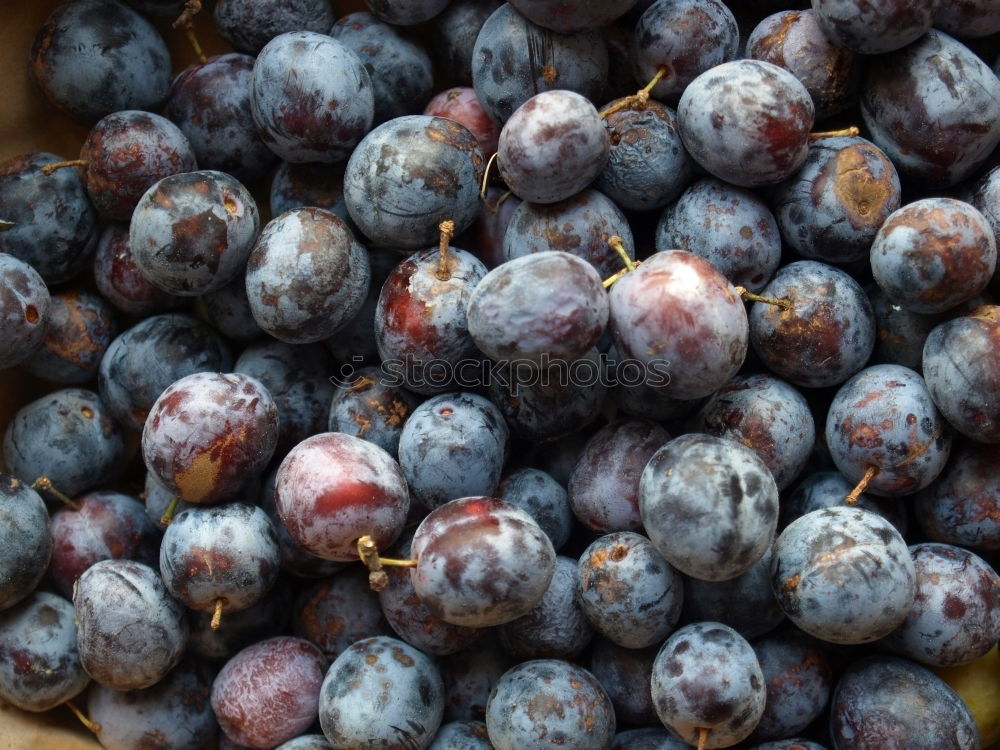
x: 617, y: 375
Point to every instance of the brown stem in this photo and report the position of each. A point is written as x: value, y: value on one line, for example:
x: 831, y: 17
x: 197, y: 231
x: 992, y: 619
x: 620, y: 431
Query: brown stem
x: 217, y: 615
x: 48, y: 169
x: 619, y: 247
x: 862, y: 485
x: 703, y: 733
x: 447, y: 232
x: 5, y: 225
x: 92, y: 726
x: 168, y: 514
x: 748, y: 296
x: 486, y: 177
x: 494, y: 207
x: 851, y: 131
x: 614, y: 277
x: 638, y: 100
x: 368, y: 552
x: 186, y: 18
x: 45, y: 484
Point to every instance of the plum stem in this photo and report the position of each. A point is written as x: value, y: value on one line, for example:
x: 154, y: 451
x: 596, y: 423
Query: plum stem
x: 217, y: 615
x: 638, y: 100
x: 447, y: 232
x: 703, y: 733
x: 618, y: 246
x: 92, y: 726
x: 48, y: 169
x: 862, y: 485
x: 168, y: 514
x: 846, y: 132
x: 368, y: 552
x: 5, y: 225
x: 186, y: 20
x: 45, y: 484
x: 486, y: 177
x: 748, y: 296
x: 494, y: 207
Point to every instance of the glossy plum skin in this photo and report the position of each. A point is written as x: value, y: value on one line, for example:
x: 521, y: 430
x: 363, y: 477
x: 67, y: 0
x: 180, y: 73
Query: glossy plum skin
x: 269, y: 692
x: 410, y: 174
x: 918, y: 83
x: 382, y: 693
x: 210, y: 103
x: 540, y: 308
x: 825, y: 337
x: 628, y: 592
x: 191, y: 233
x: 735, y: 489
x: 26, y: 542
x: 208, y: 433
x: 68, y: 436
x: 549, y: 702
x: 119, y: 280
x: 543, y: 498
x: 39, y: 662
x: 24, y: 310
x: 552, y: 147
x: 507, y: 68
x: 108, y: 525
x: 798, y: 674
x: 130, y: 631
x: 933, y: 254
x: 93, y: 57
x: 882, y: 700
x: 874, y: 29
x: 311, y: 97
x: 706, y: 675
x: 682, y: 318
x: 832, y: 208
x: 481, y: 562
x: 748, y: 145
x: 884, y: 417
x: 127, y: 152
x: 248, y: 25
x: 960, y: 365
x: 307, y: 276
x: 730, y: 227
x: 369, y: 409
x: 843, y: 575
x: 55, y: 224
x: 332, y: 489
x: 461, y: 105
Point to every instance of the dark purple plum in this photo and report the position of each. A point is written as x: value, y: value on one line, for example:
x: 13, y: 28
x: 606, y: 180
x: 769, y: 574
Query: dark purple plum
x: 513, y: 59
x: 400, y: 68
x: 961, y: 365
x: 843, y: 575
x: 406, y: 12
x: 175, y: 713
x: 730, y: 227
x: 798, y: 675
x: 156, y: 352
x: 369, y: 409
x: 250, y: 24
x: 410, y: 174
x: 625, y: 674
x: 831, y: 209
x: 747, y: 122
x: 883, y: 702
x: 80, y: 327
x: 130, y: 632
x: 269, y: 692
x: 827, y: 333
x: 298, y: 379
x: 955, y: 618
x: 549, y: 702
x: 792, y: 744
x: 581, y: 225
x: 68, y: 436
x: 24, y: 310
x: 210, y: 103
x: 940, y: 83
x: 970, y: 19
x: 268, y: 617
x: 604, y: 487
x: 872, y: 29
x: 128, y: 152
x: 899, y: 333
x: 481, y: 562
x: 25, y: 540
x: 461, y: 105
x: 355, y: 344
x: 106, y: 525
x: 647, y: 165
x: 94, y: 57
x: 307, y: 276
x: 552, y: 147
x: 650, y: 738
x: 311, y: 97
x: 707, y: 682
x: 306, y: 742
x: 709, y: 505
x: 682, y: 38
x: 453, y: 445
x: 228, y: 311
x: 332, y: 488
x: 469, y: 677
x: 381, y: 692
x: 55, y: 226
x: 543, y: 308
x: 118, y: 279
x: 207, y: 433
x: 567, y: 18
x: 793, y: 40
x: 39, y: 662
x: 485, y: 237
x: 462, y: 735
x: 167, y: 8
x: 543, y: 498
x: 318, y: 185
x: 769, y: 417
x: 931, y: 255
x: 628, y: 592
x: 883, y: 421
x: 826, y: 489
x: 158, y: 500
x: 455, y: 32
